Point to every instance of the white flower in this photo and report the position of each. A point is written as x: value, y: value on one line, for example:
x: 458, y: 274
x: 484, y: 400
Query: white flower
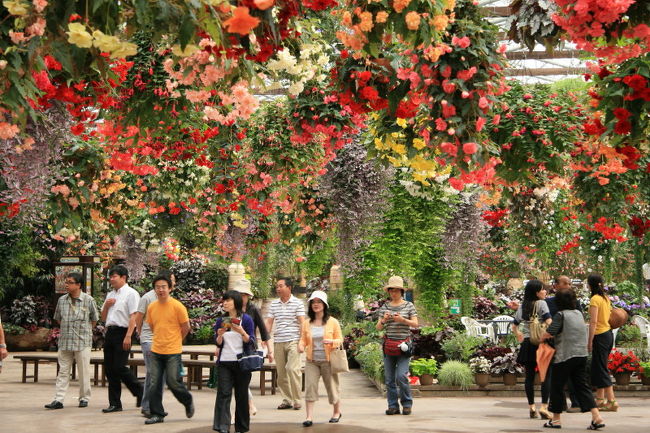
x: 296, y: 88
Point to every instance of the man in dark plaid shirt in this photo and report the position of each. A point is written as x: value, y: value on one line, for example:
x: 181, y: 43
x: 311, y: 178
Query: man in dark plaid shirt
x: 77, y: 313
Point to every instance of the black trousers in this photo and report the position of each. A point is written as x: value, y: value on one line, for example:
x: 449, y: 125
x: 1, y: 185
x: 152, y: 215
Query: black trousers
x: 115, y: 365
x: 229, y: 376
x: 602, y: 345
x: 529, y: 385
x: 574, y: 371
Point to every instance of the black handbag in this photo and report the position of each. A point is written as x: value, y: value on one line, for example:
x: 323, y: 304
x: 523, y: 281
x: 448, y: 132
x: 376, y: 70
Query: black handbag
x: 250, y: 359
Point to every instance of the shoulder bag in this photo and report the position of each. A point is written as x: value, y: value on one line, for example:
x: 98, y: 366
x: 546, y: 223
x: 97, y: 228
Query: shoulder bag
x: 536, y: 327
x: 250, y: 359
x: 339, y: 361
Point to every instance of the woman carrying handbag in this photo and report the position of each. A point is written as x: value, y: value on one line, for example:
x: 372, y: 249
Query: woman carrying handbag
x: 319, y: 337
x: 235, y: 330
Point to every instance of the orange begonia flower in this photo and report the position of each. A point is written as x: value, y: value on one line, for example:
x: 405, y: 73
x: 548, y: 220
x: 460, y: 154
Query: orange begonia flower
x: 241, y: 21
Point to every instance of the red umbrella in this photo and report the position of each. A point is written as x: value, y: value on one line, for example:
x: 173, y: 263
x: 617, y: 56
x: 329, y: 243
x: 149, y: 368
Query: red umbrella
x: 544, y: 356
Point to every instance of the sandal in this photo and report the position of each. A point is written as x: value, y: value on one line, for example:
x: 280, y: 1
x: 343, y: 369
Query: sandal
x: 551, y: 424
x: 533, y: 413
x: 595, y: 425
x: 285, y: 405
x: 545, y: 414
x: 611, y: 406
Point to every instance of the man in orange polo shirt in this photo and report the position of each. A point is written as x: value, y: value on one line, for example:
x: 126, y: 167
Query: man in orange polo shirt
x: 169, y: 323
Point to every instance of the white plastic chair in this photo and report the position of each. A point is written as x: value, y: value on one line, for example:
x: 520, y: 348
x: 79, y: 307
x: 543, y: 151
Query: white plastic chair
x: 644, y: 327
x: 476, y: 329
x: 464, y: 321
x: 615, y: 333
x: 503, y: 324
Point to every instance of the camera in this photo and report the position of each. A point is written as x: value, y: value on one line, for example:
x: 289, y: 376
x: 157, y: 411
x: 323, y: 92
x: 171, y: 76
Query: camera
x: 404, y: 347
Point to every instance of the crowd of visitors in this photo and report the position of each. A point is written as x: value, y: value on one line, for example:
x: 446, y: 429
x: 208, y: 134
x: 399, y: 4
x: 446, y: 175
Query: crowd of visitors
x: 162, y: 323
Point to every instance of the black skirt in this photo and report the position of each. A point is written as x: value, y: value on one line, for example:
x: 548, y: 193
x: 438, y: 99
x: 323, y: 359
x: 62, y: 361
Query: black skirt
x: 527, y: 353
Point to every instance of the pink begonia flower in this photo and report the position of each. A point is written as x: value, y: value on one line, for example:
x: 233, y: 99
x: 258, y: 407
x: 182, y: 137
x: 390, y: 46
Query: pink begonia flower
x: 18, y: 37
x: 449, y: 148
x: 448, y: 86
x: 441, y: 125
x: 463, y: 42
x: 38, y: 28
x: 197, y: 96
x: 61, y: 189
x: 456, y: 183
x: 8, y: 131
x: 480, y: 123
x: 470, y: 148
x: 40, y: 5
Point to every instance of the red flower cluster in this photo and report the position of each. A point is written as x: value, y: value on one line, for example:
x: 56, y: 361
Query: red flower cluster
x: 495, y: 218
x: 620, y: 362
x: 613, y: 232
x: 639, y: 226
x: 566, y: 248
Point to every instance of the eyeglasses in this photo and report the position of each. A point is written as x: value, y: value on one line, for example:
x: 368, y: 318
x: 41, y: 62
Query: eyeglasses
x: 71, y: 282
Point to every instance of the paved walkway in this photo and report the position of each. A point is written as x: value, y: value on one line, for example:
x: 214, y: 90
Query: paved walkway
x: 21, y: 411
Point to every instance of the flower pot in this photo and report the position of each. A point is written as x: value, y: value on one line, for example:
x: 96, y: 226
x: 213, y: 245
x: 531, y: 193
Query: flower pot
x: 481, y: 379
x: 509, y: 379
x: 622, y: 379
x: 426, y: 379
x: 645, y: 380
x: 31, y: 340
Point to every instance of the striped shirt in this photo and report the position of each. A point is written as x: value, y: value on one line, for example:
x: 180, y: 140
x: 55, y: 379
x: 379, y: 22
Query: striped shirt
x: 146, y: 336
x: 285, y: 316
x: 75, y: 315
x: 394, y: 330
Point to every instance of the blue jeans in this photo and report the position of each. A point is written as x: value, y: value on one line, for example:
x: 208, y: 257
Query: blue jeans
x: 167, y: 365
x: 148, y: 361
x: 396, y: 369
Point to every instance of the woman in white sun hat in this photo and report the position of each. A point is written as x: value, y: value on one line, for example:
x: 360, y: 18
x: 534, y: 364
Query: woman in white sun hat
x: 396, y: 317
x: 319, y: 336
x: 243, y: 286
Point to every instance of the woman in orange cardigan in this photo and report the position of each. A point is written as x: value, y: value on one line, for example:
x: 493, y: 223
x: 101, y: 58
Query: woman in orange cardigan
x: 319, y: 336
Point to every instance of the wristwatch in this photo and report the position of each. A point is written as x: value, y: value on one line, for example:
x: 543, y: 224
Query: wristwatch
x: 3, y: 346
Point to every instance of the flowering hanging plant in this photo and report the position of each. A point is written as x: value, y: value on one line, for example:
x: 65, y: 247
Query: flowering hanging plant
x: 620, y: 362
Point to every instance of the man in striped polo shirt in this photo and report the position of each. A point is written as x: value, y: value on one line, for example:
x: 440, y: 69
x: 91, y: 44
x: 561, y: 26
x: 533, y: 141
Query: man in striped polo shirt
x: 287, y: 313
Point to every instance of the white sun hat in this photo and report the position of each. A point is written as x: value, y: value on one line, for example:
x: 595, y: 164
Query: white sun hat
x: 244, y: 287
x: 319, y: 294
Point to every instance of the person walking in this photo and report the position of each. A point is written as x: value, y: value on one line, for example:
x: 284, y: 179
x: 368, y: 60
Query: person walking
x: 600, y: 343
x: 170, y: 324
x: 287, y: 313
x: 118, y: 312
x: 396, y: 317
x: 319, y: 336
x: 3, y: 345
x: 570, y: 360
x: 234, y: 330
x: 77, y: 315
x: 146, y: 340
x: 243, y: 286
x: 534, y: 296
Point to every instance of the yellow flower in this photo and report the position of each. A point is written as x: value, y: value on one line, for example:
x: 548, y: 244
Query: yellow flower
x: 399, y: 148
x: 77, y: 35
x: 419, y: 177
x: 17, y: 8
x: 401, y: 122
x: 105, y: 43
x: 420, y: 164
x: 450, y: 4
x: 124, y: 50
x: 419, y: 143
x: 188, y: 51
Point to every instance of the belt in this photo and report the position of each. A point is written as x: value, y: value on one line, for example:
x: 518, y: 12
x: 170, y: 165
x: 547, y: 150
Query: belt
x: 116, y: 327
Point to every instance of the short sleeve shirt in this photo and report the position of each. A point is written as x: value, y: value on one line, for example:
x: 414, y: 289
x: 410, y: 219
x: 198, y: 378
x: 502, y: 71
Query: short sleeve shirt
x: 165, y: 319
x: 394, y: 330
x: 542, y: 315
x: 146, y: 336
x: 75, y: 316
x: 285, y: 316
x: 126, y: 303
x: 604, y: 310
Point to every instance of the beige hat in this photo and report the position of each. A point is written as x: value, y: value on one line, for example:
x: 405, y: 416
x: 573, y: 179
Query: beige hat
x: 395, y: 282
x: 243, y: 287
x: 319, y: 294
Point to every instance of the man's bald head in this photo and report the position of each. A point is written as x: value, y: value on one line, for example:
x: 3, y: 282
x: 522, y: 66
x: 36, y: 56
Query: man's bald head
x: 562, y: 283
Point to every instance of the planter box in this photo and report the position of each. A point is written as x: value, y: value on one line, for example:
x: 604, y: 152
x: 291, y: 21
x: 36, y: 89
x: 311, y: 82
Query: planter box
x: 29, y: 341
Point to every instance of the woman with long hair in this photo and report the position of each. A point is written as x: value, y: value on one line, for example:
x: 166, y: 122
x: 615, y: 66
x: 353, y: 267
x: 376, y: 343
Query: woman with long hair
x: 600, y: 343
x: 570, y: 360
x: 318, y: 337
x: 534, y: 295
x: 396, y: 317
x: 234, y: 330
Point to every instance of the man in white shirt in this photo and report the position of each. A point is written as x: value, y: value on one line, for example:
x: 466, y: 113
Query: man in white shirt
x: 118, y: 312
x: 288, y: 313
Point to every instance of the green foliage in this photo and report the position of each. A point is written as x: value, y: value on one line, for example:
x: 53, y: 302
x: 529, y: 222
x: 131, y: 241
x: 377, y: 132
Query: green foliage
x: 320, y: 258
x: 341, y: 305
x: 203, y: 335
x: 371, y: 359
x: 431, y: 277
x: 628, y: 335
x: 424, y: 366
x: 456, y: 373
x: 11, y: 329
x: 627, y: 288
x: 215, y: 276
x: 461, y: 346
x: 19, y: 257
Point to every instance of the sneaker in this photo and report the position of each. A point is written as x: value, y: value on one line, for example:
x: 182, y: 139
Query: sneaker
x: 392, y: 411
x: 54, y: 405
x: 83, y: 403
x: 406, y: 411
x: 154, y: 420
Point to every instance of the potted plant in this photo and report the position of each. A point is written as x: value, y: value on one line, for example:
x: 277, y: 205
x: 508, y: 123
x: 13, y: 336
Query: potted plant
x: 480, y: 366
x: 508, y: 366
x: 644, y: 372
x: 425, y: 369
x: 53, y: 339
x: 622, y: 365
x: 455, y: 373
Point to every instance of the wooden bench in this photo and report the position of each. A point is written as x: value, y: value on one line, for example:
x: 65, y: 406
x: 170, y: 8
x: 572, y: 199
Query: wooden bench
x: 35, y: 360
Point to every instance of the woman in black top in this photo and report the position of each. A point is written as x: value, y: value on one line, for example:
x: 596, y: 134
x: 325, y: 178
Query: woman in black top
x: 244, y: 287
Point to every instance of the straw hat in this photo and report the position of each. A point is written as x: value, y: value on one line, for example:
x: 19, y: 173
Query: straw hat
x: 319, y: 294
x: 395, y: 282
x: 243, y: 287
